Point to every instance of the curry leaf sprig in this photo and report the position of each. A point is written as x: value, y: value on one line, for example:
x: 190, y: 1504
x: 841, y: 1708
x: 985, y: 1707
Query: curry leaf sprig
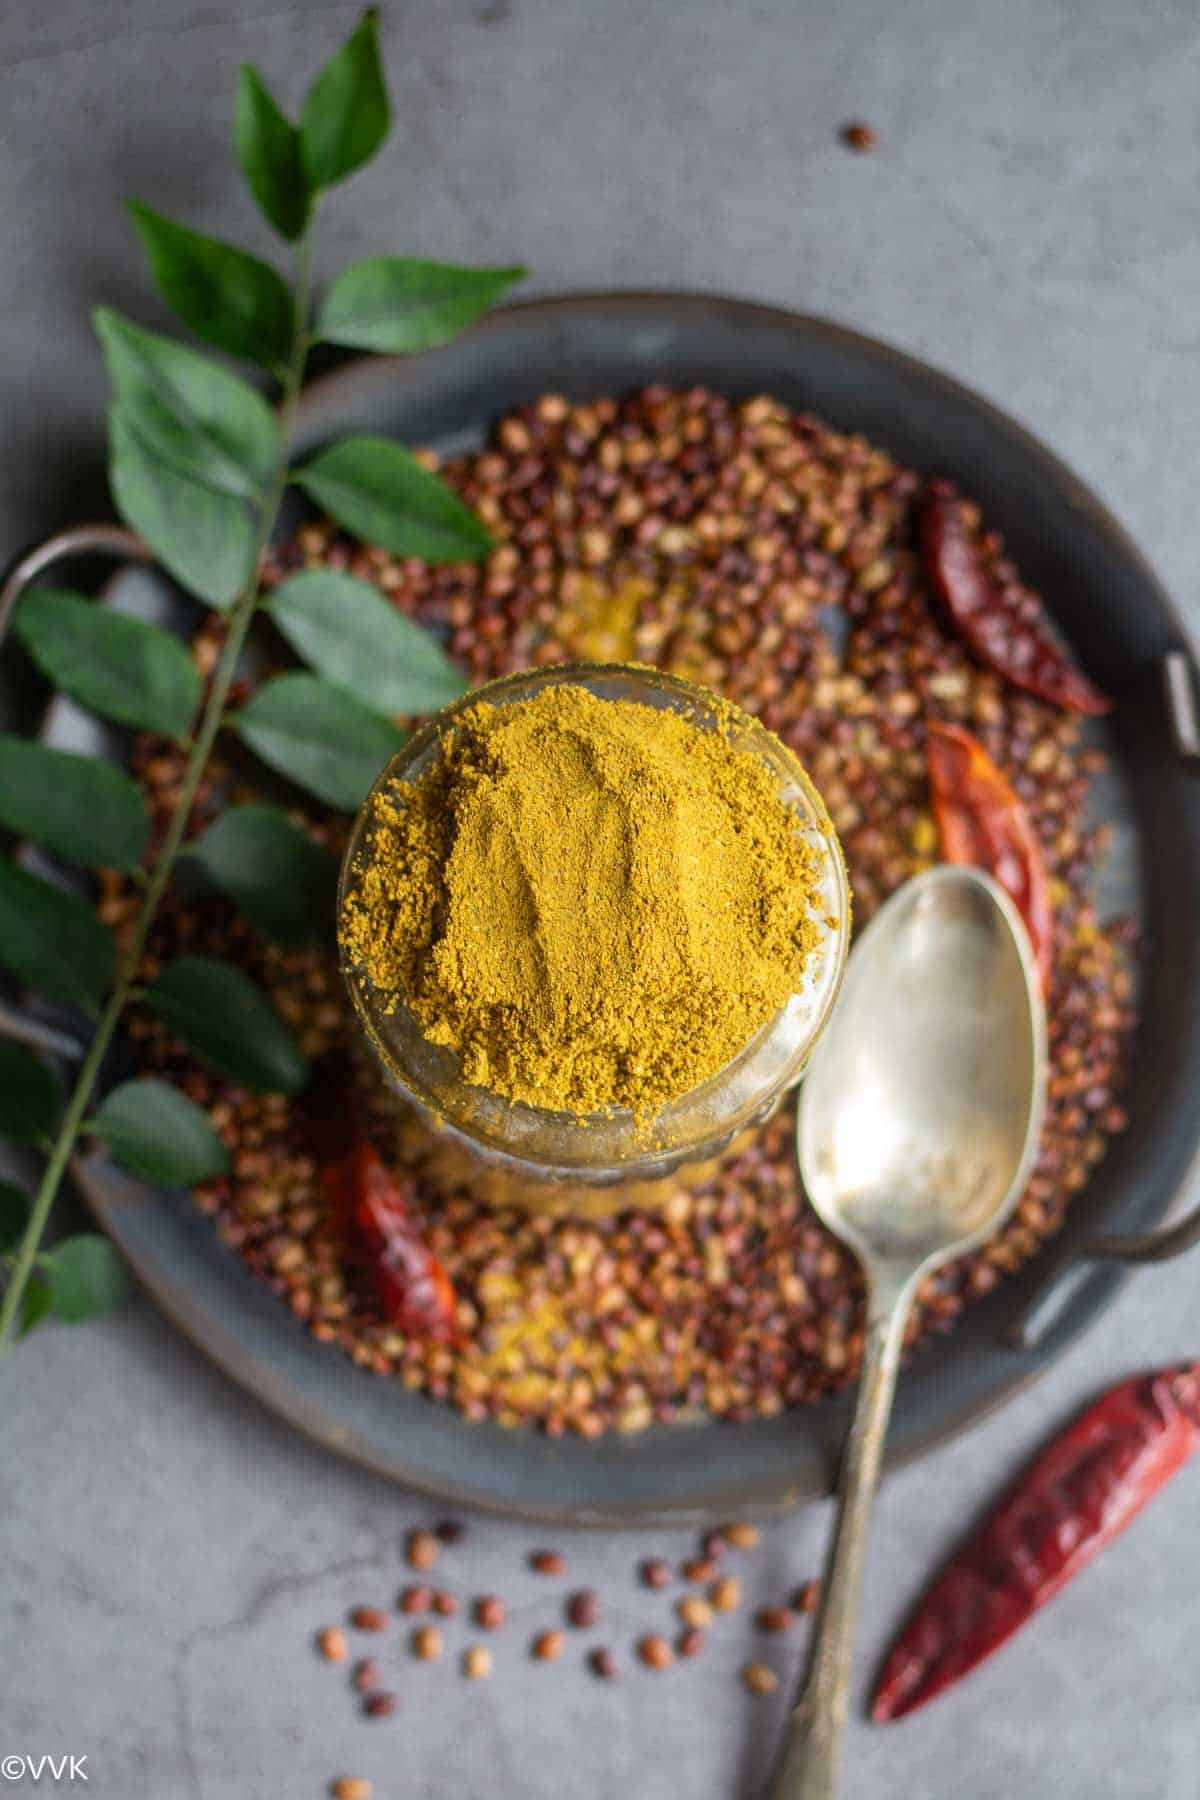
x: 199, y: 462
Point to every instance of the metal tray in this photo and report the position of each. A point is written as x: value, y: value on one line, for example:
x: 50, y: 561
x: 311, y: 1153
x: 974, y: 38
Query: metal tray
x: 1108, y: 602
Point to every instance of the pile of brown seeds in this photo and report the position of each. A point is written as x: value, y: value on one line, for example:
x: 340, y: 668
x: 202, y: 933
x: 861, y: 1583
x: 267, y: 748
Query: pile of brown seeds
x: 771, y: 557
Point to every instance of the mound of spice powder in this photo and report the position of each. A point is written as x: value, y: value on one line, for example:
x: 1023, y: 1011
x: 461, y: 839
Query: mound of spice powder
x: 594, y: 903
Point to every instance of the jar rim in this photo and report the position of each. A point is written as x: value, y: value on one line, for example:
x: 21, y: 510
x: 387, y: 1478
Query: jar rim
x: 607, y: 1147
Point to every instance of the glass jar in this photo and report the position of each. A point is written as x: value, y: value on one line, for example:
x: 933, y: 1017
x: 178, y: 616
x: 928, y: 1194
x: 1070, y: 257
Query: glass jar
x: 574, y: 1152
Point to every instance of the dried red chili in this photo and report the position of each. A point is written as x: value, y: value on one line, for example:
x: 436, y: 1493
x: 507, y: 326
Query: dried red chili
x: 413, y: 1288
x: 1078, y: 1494
x: 1003, y: 623
x: 982, y: 821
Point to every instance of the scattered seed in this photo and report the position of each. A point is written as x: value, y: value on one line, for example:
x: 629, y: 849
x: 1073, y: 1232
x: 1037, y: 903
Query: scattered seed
x: 656, y: 1572
x: 690, y: 1643
x: 655, y: 1652
x: 713, y: 1545
x: 759, y: 1678
x: 548, y: 1646
x: 351, y: 1787
x: 477, y: 1662
x: 427, y: 1642
x: 450, y: 1531
x: 806, y: 1598
x: 859, y: 136
x: 367, y: 1676
x: 699, y: 1569
x: 445, y: 1604
x: 369, y: 1618
x: 416, y: 1600
x: 421, y: 1550
x: 604, y: 1664
x: 548, y: 1562
x: 380, y: 1706
x: 332, y: 1644
x: 583, y: 1608
x: 694, y: 1611
x: 725, y: 1594
x: 741, y: 1534
x: 774, y: 1618
x: 490, y: 1612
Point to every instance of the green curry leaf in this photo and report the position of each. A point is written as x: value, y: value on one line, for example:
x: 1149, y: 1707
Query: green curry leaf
x: 206, y: 539
x: 81, y: 807
x: 30, y: 1096
x: 86, y: 1278
x: 402, y: 304
x: 268, y: 149
x: 226, y: 1019
x: 202, y: 419
x: 354, y: 637
x: 36, y: 1303
x: 228, y: 297
x: 347, y: 114
x: 53, y: 940
x: 378, y: 490
x: 319, y: 736
x: 118, y: 667
x: 272, y: 871
x: 154, y: 1130
x: 14, y: 1216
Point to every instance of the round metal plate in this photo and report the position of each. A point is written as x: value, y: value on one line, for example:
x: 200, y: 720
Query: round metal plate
x: 1108, y: 602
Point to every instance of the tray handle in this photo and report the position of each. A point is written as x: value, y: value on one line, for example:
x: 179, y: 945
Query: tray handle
x: 1183, y: 712
x: 1048, y: 1303
x: 98, y: 539
x: 1045, y: 1308
x: 1183, y: 717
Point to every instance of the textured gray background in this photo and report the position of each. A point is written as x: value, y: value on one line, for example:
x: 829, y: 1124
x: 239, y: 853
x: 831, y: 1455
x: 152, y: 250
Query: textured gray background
x: 1030, y: 223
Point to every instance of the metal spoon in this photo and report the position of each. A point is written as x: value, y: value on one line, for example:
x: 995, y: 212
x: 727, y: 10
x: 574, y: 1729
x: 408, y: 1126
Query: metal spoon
x: 918, y: 1127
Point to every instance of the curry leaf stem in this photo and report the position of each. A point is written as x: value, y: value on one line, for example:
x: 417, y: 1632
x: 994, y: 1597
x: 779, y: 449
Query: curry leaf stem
x: 213, y: 716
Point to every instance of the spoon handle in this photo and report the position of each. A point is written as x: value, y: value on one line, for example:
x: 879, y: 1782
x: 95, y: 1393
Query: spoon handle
x: 807, y: 1768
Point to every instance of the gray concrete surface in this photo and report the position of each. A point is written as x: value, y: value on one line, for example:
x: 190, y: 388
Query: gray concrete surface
x: 1030, y: 222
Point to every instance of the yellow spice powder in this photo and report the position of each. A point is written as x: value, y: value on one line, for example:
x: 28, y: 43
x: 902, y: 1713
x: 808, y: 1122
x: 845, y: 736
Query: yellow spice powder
x: 595, y: 903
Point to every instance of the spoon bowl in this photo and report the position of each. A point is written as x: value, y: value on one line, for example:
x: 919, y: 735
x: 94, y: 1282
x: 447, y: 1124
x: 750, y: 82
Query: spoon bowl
x: 916, y: 1132
x: 918, y: 1128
